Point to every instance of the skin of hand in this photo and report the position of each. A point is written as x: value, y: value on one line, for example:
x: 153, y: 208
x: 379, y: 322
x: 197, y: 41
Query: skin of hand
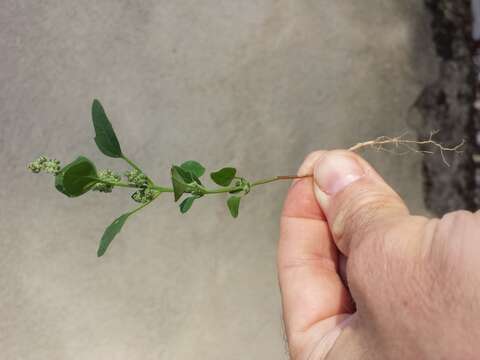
x: 362, y: 278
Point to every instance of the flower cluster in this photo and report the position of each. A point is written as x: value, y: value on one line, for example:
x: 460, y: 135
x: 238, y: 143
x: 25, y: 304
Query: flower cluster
x: 144, y: 195
x: 51, y: 166
x: 109, y: 176
x: 136, y: 177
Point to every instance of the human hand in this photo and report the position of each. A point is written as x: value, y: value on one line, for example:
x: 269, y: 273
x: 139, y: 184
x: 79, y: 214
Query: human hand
x: 413, y: 283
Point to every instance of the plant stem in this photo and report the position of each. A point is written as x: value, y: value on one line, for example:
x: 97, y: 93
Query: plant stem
x: 120, y: 184
x: 277, y: 178
x: 143, y: 205
x: 125, y: 185
x: 222, y: 190
x: 164, y: 189
x: 255, y: 183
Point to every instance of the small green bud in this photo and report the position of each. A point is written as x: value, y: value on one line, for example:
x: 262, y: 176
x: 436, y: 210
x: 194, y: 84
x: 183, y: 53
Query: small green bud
x: 144, y: 195
x: 106, y: 175
x: 51, y: 166
x: 137, y: 178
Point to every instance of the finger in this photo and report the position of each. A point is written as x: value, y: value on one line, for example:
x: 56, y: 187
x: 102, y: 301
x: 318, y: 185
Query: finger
x: 311, y: 288
x: 354, y: 198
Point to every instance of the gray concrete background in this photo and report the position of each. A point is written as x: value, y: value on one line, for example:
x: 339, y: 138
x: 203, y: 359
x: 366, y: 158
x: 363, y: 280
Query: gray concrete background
x: 255, y: 84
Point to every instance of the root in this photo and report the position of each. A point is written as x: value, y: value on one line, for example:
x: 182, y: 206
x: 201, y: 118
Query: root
x: 399, y: 145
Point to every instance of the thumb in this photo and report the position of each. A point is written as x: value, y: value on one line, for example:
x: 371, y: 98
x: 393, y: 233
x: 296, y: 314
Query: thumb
x: 356, y: 201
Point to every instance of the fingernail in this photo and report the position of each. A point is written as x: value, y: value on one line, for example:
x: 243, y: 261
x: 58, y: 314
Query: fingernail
x: 335, y: 171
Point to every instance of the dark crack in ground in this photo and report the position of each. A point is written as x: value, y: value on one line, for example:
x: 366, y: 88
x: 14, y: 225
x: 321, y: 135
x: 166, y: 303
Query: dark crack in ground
x: 448, y: 106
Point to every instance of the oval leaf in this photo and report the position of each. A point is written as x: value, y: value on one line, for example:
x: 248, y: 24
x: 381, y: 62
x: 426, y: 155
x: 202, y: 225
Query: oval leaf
x: 105, y: 137
x: 110, y: 232
x: 233, y: 203
x: 76, y: 178
x: 187, y: 204
x: 194, y: 167
x: 224, y: 177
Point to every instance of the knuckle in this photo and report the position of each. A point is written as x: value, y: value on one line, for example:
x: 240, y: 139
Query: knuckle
x: 456, y: 218
x: 455, y: 224
x: 453, y: 252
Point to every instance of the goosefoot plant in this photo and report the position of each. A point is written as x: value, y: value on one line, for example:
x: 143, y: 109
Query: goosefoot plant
x: 81, y: 176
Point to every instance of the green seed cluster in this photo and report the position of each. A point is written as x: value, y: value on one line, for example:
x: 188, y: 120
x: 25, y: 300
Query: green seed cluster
x: 144, y: 195
x: 137, y: 178
x: 51, y: 166
x: 106, y: 175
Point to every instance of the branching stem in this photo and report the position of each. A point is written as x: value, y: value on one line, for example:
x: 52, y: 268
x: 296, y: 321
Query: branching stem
x: 120, y: 184
x: 143, y: 205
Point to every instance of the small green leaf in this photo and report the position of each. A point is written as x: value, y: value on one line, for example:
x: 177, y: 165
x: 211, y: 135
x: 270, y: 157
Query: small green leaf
x: 185, y: 175
x: 178, y: 182
x: 224, y: 177
x: 105, y: 137
x: 194, y: 167
x: 233, y: 203
x: 187, y: 204
x: 110, y: 232
x: 76, y: 178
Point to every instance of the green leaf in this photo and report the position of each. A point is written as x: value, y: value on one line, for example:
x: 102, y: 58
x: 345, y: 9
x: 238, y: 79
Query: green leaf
x: 76, y: 178
x: 185, y: 175
x: 233, y: 203
x: 224, y: 177
x: 110, y: 232
x: 59, y: 183
x: 187, y: 204
x: 179, y: 183
x: 105, y: 137
x: 194, y: 167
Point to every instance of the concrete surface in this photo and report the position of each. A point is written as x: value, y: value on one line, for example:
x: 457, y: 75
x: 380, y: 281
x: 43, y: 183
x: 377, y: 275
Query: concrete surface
x: 256, y: 84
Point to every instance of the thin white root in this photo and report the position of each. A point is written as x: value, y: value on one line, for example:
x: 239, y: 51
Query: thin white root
x: 398, y: 143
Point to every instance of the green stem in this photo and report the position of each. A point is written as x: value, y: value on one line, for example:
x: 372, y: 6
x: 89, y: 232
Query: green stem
x: 222, y: 190
x: 143, y: 205
x: 163, y: 189
x: 277, y: 178
x: 120, y: 184
x: 255, y: 183
x: 264, y: 181
x: 125, y: 185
